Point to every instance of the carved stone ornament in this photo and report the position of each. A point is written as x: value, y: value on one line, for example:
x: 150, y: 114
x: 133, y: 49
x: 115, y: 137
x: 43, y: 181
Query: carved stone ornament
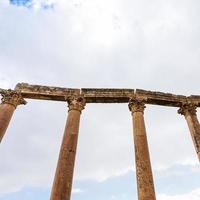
x: 136, y: 105
x: 187, y: 109
x: 76, y: 102
x: 12, y: 97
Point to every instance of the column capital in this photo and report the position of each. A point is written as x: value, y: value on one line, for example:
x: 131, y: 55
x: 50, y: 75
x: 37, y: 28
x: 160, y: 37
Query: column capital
x: 12, y: 97
x: 76, y: 102
x: 136, y: 105
x: 188, y: 108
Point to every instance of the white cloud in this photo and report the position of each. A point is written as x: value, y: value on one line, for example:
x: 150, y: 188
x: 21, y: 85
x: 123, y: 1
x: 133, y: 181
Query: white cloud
x: 194, y: 195
x: 77, y: 190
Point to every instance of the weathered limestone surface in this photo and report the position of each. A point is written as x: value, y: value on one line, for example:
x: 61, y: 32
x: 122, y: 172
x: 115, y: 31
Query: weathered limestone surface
x: 160, y: 98
x: 101, y: 95
x: 104, y: 95
x: 45, y: 92
x: 194, y: 99
x: 63, y: 180
x: 10, y: 100
x: 189, y: 111
x: 145, y: 185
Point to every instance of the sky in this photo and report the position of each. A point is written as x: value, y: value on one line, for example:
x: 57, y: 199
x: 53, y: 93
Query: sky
x: 152, y: 45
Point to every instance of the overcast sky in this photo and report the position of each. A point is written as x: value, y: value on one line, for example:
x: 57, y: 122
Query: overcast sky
x: 152, y: 45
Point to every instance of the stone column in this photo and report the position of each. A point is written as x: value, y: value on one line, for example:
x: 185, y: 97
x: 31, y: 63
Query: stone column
x: 189, y: 111
x: 145, y: 185
x: 63, y: 180
x: 10, y: 100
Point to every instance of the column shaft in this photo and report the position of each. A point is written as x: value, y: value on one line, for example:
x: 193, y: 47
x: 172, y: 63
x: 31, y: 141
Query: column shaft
x: 145, y: 185
x: 63, y: 180
x: 11, y: 99
x: 189, y: 111
x: 6, y: 112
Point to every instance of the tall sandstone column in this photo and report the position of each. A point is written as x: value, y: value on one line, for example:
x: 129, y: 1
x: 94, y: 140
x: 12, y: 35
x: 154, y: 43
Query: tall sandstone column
x: 189, y: 111
x: 145, y: 185
x: 63, y: 180
x: 10, y: 100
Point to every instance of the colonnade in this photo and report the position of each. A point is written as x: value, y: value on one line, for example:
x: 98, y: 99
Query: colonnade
x: 62, y: 185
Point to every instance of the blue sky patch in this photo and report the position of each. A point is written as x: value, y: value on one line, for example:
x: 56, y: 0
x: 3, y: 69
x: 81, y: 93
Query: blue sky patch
x: 30, y: 4
x: 180, y: 180
x: 21, y: 2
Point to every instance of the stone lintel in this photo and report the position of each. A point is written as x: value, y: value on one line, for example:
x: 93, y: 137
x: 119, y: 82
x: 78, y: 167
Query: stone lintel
x: 160, y: 98
x: 45, y: 92
x: 111, y: 95
x: 194, y: 99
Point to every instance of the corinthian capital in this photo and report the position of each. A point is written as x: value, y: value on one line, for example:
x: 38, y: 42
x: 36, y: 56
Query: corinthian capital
x: 76, y: 103
x: 12, y: 97
x: 136, y: 105
x: 187, y: 109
